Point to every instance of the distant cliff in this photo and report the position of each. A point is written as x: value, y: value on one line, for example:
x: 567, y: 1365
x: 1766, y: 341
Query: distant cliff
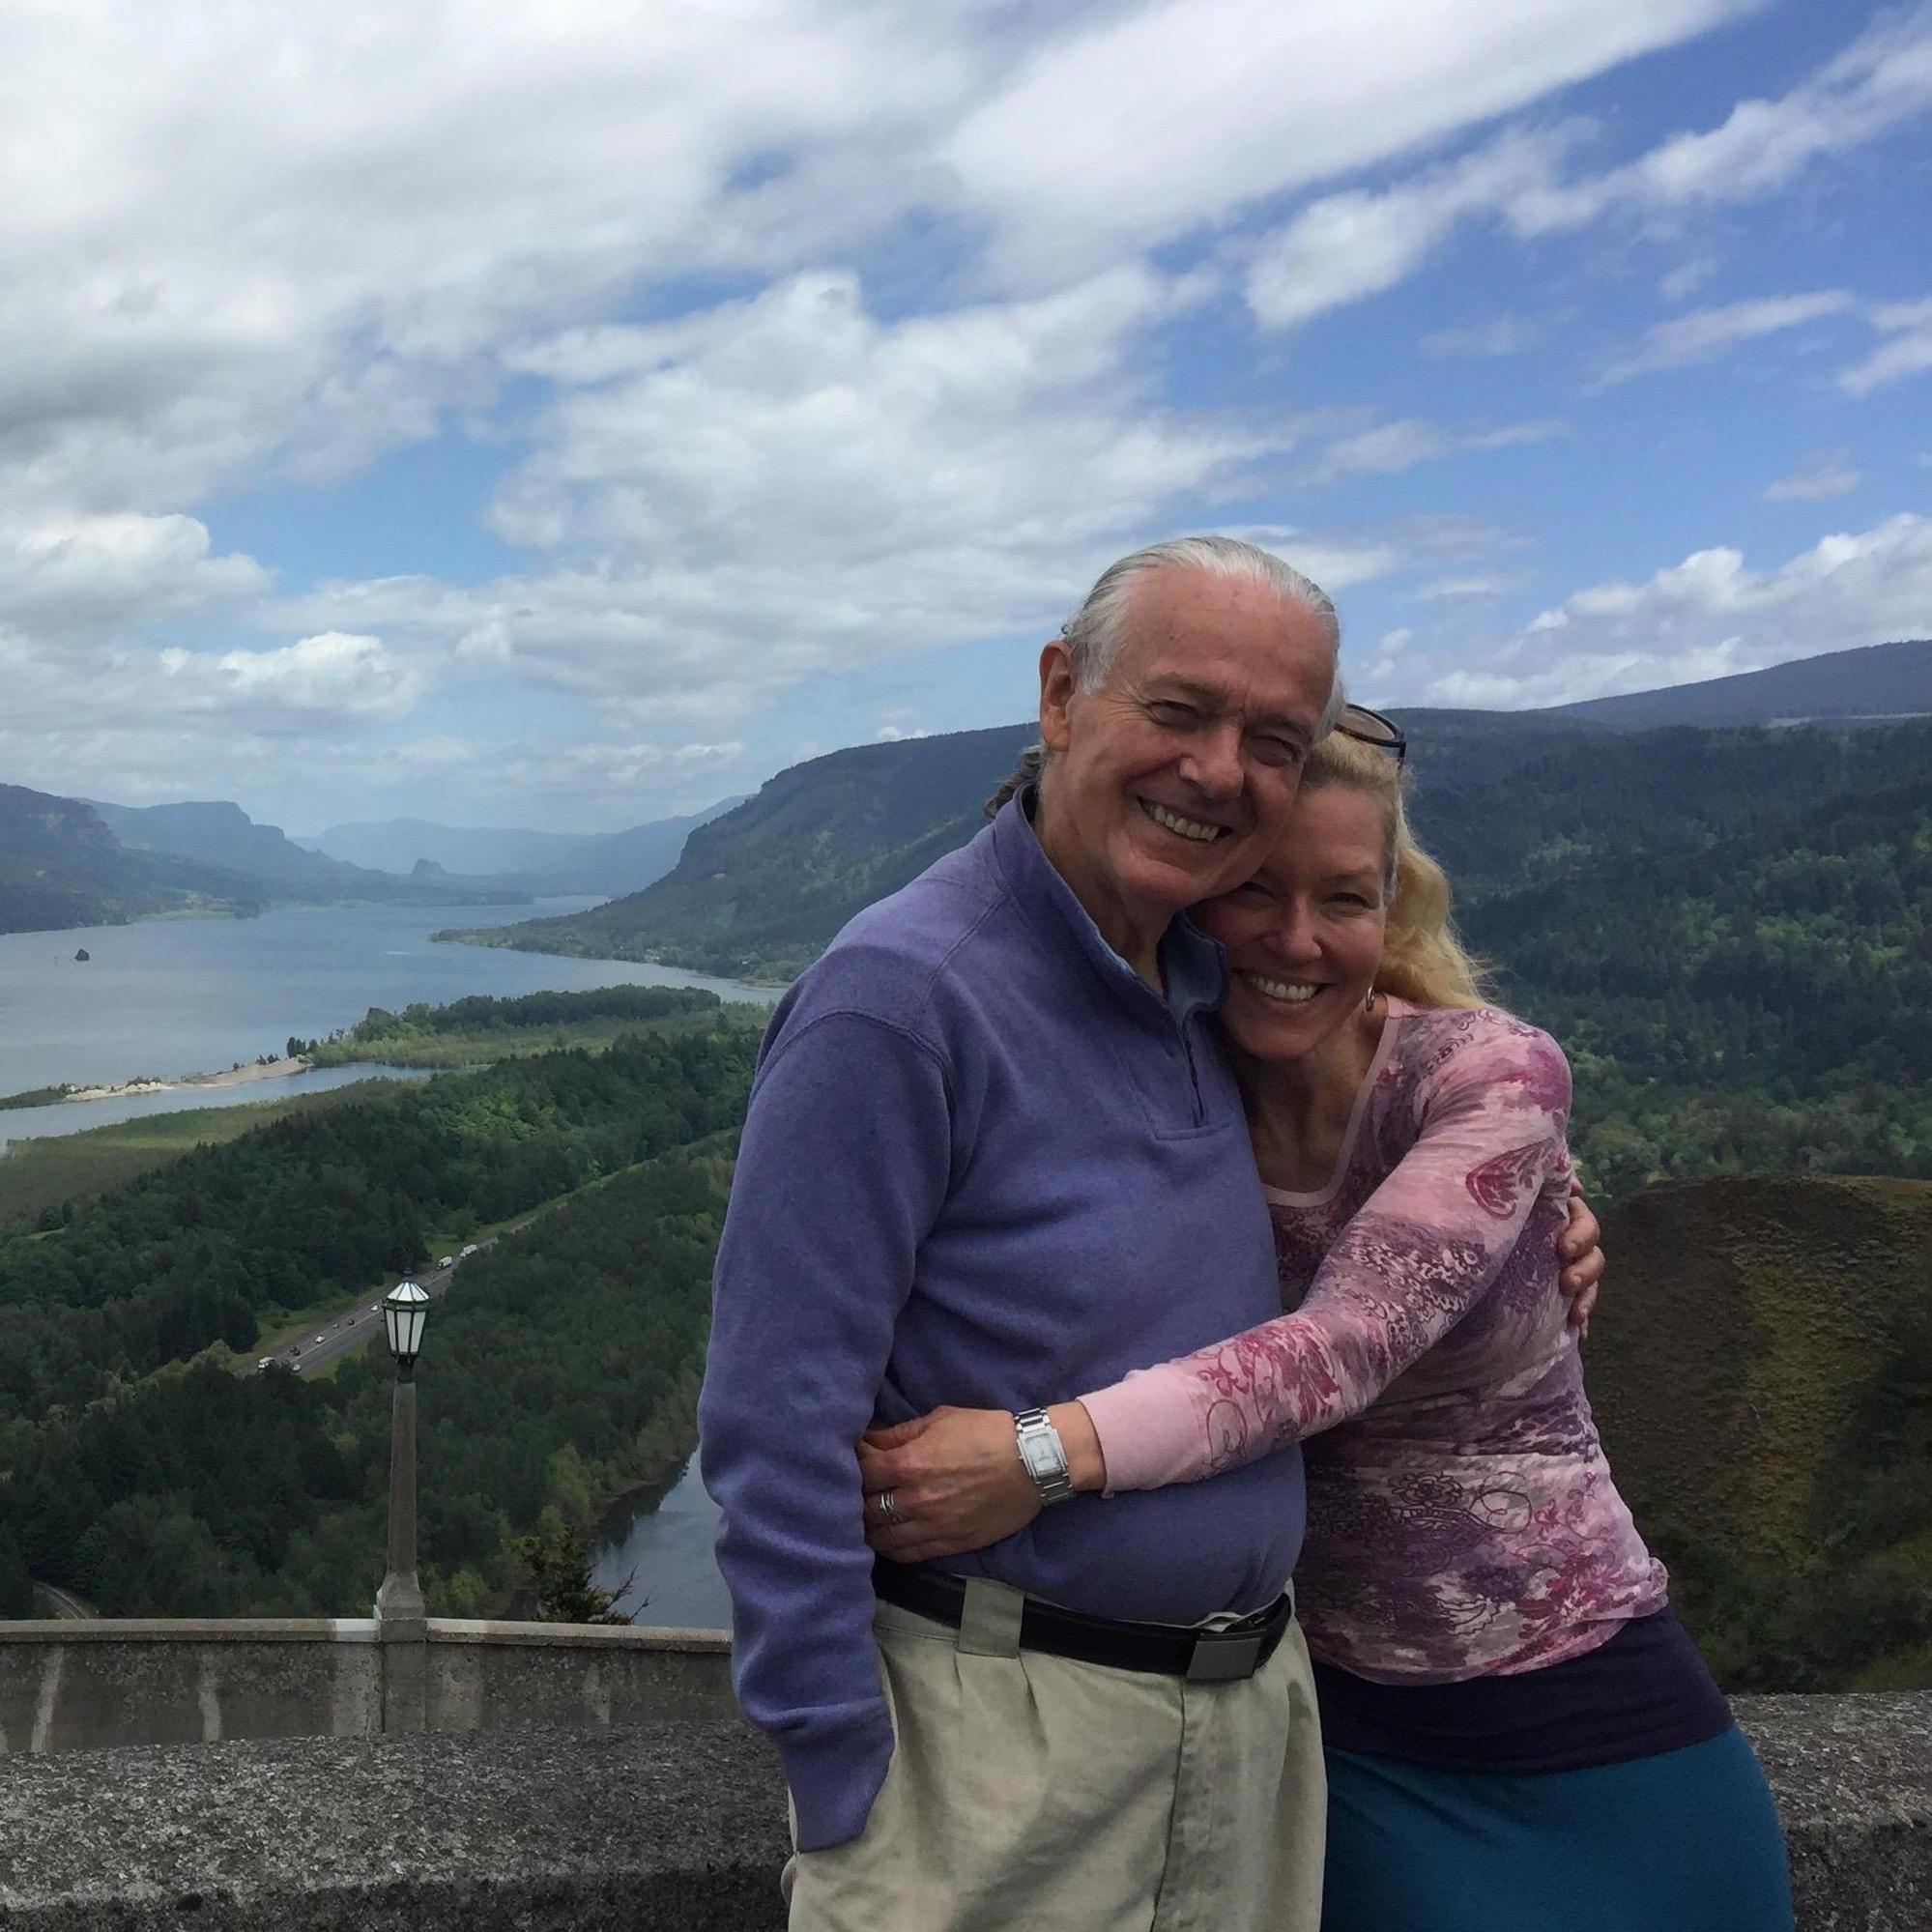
x: 219, y: 832
x: 67, y: 863
x: 61, y: 866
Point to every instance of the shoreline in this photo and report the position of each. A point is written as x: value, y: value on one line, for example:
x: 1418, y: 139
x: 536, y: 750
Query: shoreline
x: 243, y: 1076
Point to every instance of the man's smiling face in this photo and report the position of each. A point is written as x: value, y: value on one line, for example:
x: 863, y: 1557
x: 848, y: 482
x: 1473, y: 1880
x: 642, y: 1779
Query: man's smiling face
x: 1173, y: 780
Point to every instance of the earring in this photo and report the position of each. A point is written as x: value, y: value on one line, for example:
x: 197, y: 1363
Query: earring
x: 1368, y: 1005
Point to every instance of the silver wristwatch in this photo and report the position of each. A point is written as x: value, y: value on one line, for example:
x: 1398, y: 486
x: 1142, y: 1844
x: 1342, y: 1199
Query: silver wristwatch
x: 1043, y: 1455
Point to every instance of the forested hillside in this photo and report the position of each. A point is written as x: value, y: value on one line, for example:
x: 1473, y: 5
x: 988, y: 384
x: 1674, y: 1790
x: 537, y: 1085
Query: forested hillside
x: 1731, y: 931
x: 758, y: 893
x: 566, y: 1370
x: 1765, y: 1003
x: 113, y: 1439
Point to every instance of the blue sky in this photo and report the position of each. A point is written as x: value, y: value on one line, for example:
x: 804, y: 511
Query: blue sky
x: 566, y: 416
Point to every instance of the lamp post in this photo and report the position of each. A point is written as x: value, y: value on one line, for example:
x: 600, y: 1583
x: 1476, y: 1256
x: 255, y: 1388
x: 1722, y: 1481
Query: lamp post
x: 399, y: 1602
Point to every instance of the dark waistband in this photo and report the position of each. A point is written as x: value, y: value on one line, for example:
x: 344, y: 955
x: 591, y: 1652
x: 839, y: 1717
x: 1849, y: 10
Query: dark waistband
x: 1202, y: 1657
x: 1644, y: 1691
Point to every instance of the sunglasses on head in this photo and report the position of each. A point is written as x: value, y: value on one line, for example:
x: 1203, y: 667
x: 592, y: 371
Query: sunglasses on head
x: 1367, y: 727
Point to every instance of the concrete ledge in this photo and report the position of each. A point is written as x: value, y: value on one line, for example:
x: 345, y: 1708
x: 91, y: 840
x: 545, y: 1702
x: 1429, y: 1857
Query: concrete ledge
x: 95, y: 1685
x: 28, y: 1631
x: 1854, y: 1781
x: 680, y: 1828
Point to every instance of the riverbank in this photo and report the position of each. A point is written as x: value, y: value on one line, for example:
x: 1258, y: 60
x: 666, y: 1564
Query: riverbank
x: 54, y: 1155
x: 239, y: 1076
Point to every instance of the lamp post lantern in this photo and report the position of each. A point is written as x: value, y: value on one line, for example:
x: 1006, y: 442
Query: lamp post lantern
x: 405, y: 1310
x: 399, y: 1602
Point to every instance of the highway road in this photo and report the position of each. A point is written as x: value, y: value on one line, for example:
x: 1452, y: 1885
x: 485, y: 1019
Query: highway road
x: 364, y: 1322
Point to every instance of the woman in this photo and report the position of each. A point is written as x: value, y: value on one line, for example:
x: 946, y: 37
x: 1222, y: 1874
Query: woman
x: 1518, y: 1733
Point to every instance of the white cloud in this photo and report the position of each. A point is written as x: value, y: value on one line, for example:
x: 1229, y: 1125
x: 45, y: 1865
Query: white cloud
x: 1390, y: 448
x: 1464, y: 588
x: 1707, y: 333
x: 309, y: 236
x: 1709, y: 616
x: 1359, y: 242
x: 1500, y: 335
x: 1681, y: 283
x: 303, y: 237
x: 1136, y: 129
x: 1908, y: 352
x: 1884, y: 77
x: 74, y: 573
x: 1826, y: 472
x: 334, y: 676
x: 788, y: 485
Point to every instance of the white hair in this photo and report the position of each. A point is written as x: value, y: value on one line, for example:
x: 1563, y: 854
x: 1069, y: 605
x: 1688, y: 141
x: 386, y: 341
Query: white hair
x: 1095, y: 632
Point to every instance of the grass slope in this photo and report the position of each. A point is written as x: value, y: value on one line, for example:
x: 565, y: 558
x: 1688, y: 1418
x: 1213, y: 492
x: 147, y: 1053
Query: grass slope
x: 1742, y: 1316
x: 42, y: 1173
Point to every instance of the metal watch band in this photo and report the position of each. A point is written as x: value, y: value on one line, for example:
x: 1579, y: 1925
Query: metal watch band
x: 1043, y: 1454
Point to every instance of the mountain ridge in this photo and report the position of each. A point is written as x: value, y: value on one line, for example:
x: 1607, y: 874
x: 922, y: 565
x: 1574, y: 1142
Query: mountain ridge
x: 76, y: 862
x: 546, y: 862
x: 759, y: 892
x: 1869, y: 681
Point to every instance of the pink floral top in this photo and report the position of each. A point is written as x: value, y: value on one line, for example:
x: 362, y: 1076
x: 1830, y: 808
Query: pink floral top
x: 1461, y: 1516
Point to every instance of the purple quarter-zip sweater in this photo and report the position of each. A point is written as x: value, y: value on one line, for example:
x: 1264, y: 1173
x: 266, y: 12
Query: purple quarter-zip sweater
x: 984, y: 1164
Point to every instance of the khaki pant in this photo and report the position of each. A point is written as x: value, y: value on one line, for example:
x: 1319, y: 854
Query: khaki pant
x: 1029, y: 1792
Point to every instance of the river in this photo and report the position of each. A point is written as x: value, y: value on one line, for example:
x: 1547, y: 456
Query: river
x: 664, y: 1551
x: 170, y: 996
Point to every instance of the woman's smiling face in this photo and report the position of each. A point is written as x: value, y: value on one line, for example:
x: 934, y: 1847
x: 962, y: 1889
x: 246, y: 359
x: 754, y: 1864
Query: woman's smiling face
x: 1303, y: 936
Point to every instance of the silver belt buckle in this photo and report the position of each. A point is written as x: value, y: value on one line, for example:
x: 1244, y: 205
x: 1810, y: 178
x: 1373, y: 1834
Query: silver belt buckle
x: 1223, y: 1660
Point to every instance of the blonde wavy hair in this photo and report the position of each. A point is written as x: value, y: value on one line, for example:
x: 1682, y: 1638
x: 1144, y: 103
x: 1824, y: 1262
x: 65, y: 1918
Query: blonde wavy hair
x: 1423, y: 959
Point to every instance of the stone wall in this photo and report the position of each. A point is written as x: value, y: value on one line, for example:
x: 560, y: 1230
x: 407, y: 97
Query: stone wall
x: 126, y: 1682
x: 680, y: 1827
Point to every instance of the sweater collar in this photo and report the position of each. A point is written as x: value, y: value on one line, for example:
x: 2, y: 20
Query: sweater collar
x: 1194, y: 965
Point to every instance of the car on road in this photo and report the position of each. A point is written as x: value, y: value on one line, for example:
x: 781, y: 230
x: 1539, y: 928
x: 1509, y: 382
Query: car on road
x: 463, y: 1254
x: 448, y: 1261
x: 267, y: 1362
x: 324, y: 1337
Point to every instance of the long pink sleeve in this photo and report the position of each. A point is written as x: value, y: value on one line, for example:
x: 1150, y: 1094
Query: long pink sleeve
x: 1422, y: 1252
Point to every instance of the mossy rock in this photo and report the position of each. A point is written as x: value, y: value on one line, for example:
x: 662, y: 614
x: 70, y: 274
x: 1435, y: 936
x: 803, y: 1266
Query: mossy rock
x: 1742, y: 1317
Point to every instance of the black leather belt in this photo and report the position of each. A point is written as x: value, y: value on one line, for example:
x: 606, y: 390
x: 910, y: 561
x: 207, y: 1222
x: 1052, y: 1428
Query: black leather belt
x: 1201, y: 1657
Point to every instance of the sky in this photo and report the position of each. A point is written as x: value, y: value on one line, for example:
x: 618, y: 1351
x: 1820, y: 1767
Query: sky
x: 566, y: 416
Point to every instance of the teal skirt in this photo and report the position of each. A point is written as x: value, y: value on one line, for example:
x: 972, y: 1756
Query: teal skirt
x: 1684, y: 1841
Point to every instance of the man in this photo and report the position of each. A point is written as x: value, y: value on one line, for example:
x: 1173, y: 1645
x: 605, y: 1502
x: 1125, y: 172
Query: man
x: 994, y: 1156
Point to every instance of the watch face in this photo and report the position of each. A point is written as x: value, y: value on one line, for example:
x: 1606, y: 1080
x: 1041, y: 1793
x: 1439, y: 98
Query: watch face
x: 1040, y: 1460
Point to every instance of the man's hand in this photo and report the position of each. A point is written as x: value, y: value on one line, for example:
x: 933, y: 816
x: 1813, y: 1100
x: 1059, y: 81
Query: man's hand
x: 1582, y: 1258
x: 955, y: 1483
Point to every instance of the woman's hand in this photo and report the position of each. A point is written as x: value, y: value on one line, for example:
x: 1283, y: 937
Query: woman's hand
x: 957, y: 1481
x: 1577, y: 1248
